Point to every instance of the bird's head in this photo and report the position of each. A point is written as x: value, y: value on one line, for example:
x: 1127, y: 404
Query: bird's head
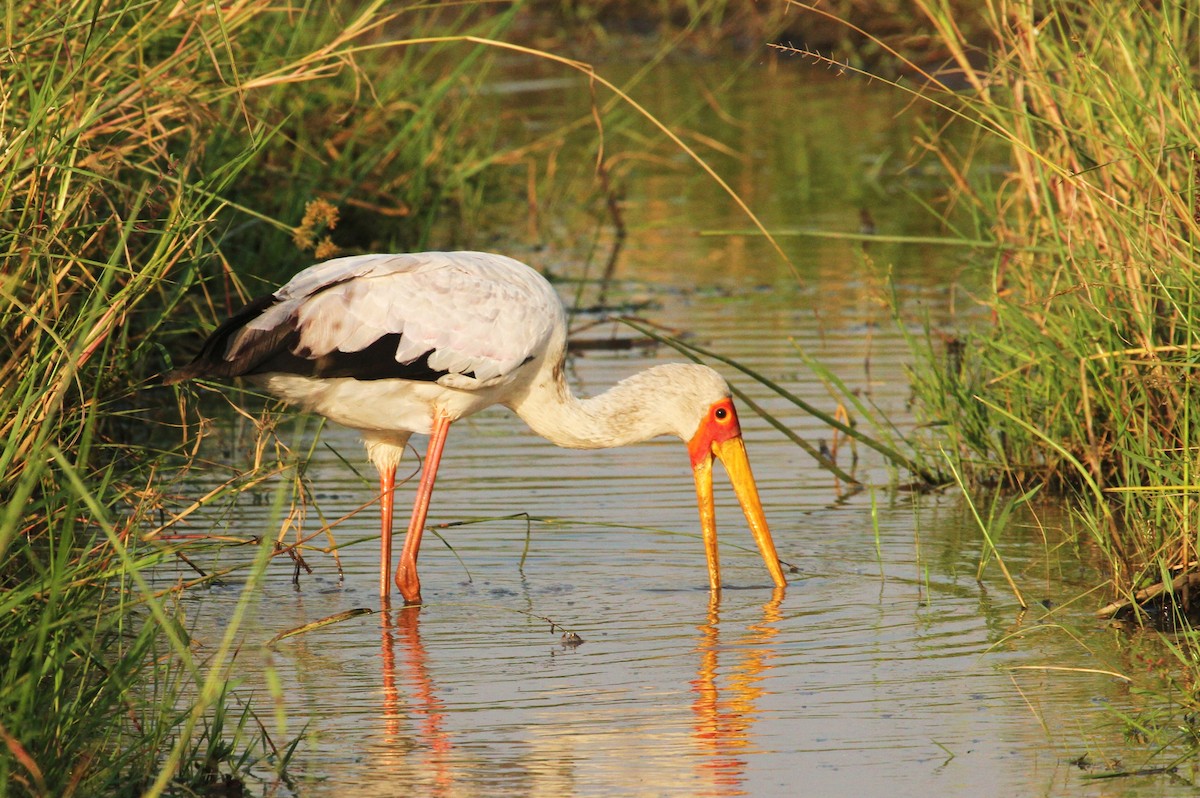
x: 718, y: 435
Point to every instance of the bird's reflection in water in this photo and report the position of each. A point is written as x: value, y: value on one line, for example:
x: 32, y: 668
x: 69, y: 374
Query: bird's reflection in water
x: 725, y: 715
x: 409, y: 695
x: 727, y: 693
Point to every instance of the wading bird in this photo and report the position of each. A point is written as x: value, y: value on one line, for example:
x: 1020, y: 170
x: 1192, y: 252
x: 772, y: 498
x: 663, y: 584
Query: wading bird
x: 390, y: 345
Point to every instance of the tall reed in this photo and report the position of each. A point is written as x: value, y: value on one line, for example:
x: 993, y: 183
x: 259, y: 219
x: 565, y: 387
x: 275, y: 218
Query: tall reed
x: 1082, y: 374
x: 142, y: 146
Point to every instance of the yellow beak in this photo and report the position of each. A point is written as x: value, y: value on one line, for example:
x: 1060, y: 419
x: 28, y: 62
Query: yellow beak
x: 732, y: 454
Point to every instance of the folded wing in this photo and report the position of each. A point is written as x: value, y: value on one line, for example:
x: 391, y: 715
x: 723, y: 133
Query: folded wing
x: 467, y: 319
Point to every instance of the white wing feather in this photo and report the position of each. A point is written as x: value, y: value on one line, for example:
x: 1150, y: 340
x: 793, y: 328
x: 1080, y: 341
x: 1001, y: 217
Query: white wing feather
x: 477, y: 313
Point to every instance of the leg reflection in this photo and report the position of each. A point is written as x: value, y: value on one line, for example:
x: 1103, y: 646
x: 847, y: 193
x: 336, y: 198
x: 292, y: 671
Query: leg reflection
x: 422, y: 707
x: 722, y: 730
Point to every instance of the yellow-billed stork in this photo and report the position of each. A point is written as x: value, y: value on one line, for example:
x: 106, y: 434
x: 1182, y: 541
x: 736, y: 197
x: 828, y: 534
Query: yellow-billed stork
x: 390, y: 345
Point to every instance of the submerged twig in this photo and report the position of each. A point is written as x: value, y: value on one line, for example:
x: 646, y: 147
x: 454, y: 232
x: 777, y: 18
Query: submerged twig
x: 318, y: 624
x: 1185, y: 579
x: 610, y: 197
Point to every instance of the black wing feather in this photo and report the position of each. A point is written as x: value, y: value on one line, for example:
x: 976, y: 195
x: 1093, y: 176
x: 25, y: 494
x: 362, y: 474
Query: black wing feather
x: 375, y: 362
x: 211, y: 362
x: 277, y: 351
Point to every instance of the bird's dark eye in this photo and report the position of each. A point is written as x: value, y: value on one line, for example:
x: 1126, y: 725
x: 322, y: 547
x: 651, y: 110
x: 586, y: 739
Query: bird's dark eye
x: 721, y: 413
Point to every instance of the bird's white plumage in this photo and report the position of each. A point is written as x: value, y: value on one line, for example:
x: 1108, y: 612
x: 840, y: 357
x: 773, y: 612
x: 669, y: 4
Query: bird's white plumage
x: 494, y: 325
x: 480, y: 315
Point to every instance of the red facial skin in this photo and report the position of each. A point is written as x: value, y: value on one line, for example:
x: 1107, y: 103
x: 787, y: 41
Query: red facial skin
x: 719, y: 425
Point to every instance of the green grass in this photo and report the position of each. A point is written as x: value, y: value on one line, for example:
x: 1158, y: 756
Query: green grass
x: 1083, y: 376
x: 1067, y: 134
x: 1078, y: 375
x: 144, y: 147
x: 1078, y: 372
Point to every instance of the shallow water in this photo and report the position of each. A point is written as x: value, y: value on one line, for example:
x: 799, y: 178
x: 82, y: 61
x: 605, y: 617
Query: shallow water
x: 885, y: 667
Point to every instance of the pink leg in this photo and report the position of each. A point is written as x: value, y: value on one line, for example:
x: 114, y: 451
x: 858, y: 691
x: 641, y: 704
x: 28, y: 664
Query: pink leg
x: 406, y: 572
x: 387, y: 491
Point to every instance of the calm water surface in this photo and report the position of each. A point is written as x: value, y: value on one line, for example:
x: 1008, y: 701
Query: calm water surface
x: 885, y: 668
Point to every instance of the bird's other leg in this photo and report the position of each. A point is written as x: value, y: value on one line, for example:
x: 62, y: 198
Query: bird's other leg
x: 387, y: 492
x: 406, y: 572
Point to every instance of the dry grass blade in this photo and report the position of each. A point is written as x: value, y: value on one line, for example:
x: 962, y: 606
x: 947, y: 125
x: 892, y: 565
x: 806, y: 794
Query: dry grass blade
x: 1067, y: 669
x: 22, y: 756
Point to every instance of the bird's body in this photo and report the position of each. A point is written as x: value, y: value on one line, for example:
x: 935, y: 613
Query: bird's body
x: 393, y: 345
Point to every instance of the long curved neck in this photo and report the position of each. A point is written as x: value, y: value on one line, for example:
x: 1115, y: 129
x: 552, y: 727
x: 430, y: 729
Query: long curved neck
x: 629, y: 412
